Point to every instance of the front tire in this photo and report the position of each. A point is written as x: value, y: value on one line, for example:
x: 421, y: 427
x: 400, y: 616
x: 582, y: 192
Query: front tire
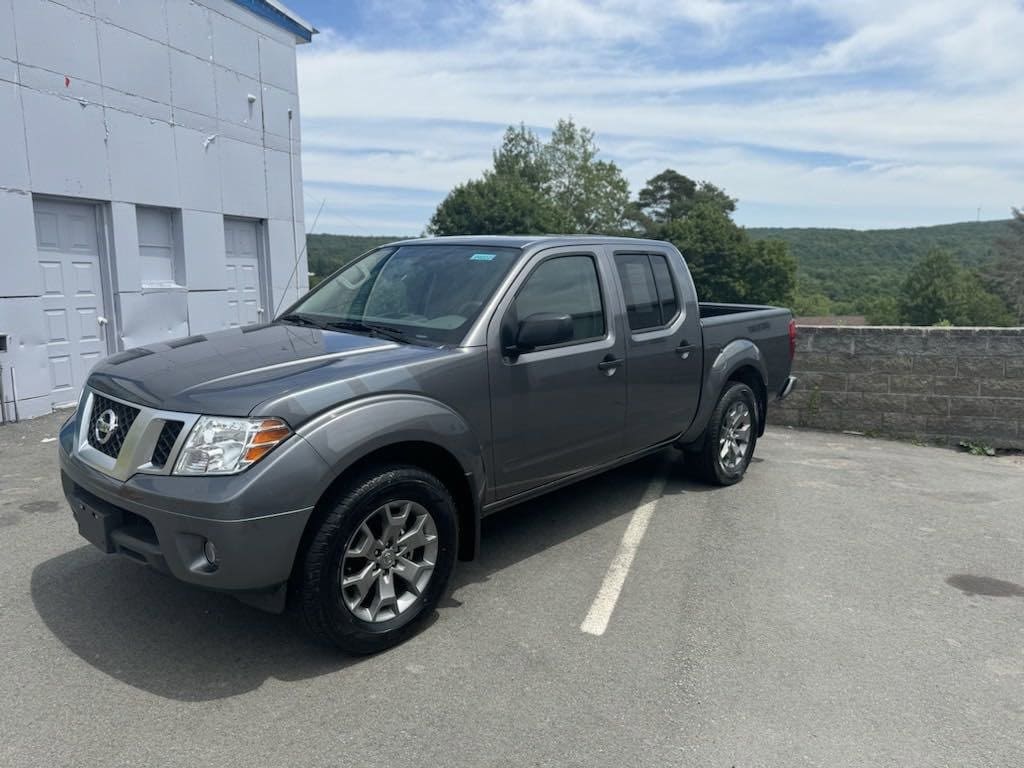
x: 380, y: 560
x: 730, y: 438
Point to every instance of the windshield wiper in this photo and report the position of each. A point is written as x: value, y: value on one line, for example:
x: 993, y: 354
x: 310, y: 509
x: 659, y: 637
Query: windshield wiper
x: 298, y: 319
x: 382, y: 331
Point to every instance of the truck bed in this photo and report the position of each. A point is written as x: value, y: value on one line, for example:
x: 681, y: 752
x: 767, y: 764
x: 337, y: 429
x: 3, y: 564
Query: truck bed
x: 767, y: 327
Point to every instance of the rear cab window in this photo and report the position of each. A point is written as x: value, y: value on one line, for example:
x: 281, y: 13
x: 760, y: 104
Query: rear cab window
x: 648, y: 289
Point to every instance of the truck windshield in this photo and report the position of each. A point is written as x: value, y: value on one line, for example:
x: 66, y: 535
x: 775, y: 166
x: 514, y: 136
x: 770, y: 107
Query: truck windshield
x: 426, y: 293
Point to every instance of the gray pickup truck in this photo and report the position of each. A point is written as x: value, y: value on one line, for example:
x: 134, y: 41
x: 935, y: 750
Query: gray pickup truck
x: 339, y: 460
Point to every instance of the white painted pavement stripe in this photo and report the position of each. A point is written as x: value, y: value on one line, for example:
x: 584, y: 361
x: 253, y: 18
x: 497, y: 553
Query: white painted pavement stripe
x: 601, y: 609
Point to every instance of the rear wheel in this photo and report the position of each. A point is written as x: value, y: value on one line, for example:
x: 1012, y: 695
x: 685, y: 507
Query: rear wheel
x: 730, y: 438
x: 380, y: 561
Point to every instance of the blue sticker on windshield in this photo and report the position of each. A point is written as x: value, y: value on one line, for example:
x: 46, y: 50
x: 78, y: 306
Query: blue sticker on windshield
x: 483, y: 257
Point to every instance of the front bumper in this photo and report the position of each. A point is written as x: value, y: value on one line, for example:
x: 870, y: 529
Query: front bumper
x: 254, y: 519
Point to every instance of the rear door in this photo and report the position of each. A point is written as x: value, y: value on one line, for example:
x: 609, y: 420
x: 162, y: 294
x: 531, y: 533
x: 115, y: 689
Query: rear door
x: 74, y: 316
x: 245, y: 287
x: 663, y: 340
x: 560, y: 409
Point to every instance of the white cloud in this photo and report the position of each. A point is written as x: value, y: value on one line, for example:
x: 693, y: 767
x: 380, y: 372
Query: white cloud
x: 608, y: 20
x: 922, y: 102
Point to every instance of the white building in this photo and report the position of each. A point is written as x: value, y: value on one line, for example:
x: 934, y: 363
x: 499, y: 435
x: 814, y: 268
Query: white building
x: 150, y: 185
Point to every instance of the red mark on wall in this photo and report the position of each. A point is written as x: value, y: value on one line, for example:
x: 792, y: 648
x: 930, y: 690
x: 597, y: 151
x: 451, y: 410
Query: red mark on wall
x: 67, y: 81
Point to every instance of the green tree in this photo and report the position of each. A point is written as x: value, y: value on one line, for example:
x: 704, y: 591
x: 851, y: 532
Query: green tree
x: 810, y: 303
x: 521, y: 156
x: 882, y: 310
x: 712, y: 245
x: 670, y: 196
x: 561, y: 185
x: 590, y: 194
x: 939, y: 290
x: 769, y: 271
x: 554, y: 186
x: 494, y: 205
x: 728, y: 266
x: 1006, y: 272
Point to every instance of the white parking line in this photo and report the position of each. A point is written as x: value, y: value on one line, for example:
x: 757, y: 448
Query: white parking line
x: 601, y: 609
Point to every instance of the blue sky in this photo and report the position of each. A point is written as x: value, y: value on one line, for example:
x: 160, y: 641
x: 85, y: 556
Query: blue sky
x: 851, y: 113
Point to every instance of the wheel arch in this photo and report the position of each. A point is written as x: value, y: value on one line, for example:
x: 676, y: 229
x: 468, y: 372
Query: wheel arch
x: 749, y: 375
x: 401, y: 429
x: 427, y: 456
x: 739, y: 360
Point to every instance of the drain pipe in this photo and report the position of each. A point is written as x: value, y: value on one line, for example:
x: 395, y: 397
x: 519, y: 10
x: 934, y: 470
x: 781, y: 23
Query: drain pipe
x: 14, y: 395
x: 3, y: 405
x: 291, y: 187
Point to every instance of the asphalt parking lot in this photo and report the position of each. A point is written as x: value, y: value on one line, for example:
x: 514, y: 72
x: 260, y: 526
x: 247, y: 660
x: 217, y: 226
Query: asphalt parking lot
x: 853, y: 602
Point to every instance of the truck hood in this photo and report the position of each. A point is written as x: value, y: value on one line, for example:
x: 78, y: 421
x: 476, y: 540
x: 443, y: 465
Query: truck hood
x: 229, y: 373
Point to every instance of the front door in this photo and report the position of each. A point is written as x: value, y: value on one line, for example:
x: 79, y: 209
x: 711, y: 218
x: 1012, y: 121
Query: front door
x: 557, y: 410
x: 245, y: 290
x: 73, y: 314
x: 663, y: 348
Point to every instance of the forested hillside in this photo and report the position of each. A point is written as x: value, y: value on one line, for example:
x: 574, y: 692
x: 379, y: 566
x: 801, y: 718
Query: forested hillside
x: 852, y: 267
x: 848, y: 266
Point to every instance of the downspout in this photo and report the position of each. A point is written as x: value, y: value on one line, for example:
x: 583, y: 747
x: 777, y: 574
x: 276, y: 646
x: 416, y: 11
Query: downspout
x: 291, y: 187
x: 14, y: 395
x: 3, y: 406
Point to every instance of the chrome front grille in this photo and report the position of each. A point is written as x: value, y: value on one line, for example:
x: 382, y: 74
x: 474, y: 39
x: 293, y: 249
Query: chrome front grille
x: 109, y: 424
x: 138, y: 439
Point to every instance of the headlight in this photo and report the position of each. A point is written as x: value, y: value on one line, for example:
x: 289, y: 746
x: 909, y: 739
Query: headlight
x: 219, y: 445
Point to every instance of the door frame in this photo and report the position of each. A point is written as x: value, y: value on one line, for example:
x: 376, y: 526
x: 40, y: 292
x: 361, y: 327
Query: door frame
x: 687, y: 310
x: 105, y: 255
x: 606, y: 279
x: 108, y: 276
x: 262, y: 262
x: 613, y: 337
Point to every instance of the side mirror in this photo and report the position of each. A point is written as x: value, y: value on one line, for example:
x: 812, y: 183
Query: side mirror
x: 542, y: 330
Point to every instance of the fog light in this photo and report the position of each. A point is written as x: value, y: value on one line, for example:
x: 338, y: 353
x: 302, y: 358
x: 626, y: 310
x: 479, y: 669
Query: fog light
x: 210, y: 552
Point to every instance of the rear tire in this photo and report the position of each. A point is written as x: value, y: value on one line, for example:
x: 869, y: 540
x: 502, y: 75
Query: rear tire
x: 730, y: 438
x: 380, y: 560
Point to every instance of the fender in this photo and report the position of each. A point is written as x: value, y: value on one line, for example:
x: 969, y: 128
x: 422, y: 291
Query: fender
x: 344, y: 435
x: 735, y: 355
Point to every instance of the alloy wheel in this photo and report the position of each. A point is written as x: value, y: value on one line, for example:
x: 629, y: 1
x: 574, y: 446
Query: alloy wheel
x: 388, y: 561
x: 734, y: 437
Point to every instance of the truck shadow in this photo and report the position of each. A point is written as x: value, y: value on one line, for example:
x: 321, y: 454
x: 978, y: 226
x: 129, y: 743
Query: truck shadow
x: 164, y: 637
x: 178, y: 642
x: 528, y: 529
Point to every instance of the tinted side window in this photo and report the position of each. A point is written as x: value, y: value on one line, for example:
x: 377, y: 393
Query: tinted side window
x: 638, y: 286
x: 666, y: 288
x: 565, y: 285
x: 648, y: 288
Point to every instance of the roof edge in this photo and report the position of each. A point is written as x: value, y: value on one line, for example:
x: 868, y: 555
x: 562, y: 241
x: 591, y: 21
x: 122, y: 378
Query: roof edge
x: 279, y: 14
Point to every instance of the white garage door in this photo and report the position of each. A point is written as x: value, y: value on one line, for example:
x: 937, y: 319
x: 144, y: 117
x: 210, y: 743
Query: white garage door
x: 69, y: 261
x: 245, y: 294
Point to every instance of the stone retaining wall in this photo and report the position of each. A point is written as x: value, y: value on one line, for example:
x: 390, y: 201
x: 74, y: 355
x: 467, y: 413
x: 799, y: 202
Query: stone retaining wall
x: 943, y: 385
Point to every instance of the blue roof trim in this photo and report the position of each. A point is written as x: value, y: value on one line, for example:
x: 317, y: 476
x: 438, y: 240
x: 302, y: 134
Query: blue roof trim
x: 266, y: 11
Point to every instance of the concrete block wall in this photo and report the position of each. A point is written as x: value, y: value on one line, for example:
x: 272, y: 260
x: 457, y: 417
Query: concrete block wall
x: 181, y: 104
x: 943, y: 385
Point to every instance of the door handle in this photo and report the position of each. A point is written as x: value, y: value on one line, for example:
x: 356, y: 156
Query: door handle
x: 102, y: 320
x: 609, y: 364
x: 684, y: 349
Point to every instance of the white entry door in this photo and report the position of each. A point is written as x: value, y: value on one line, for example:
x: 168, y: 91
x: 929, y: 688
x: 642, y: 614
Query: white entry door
x: 74, y: 316
x: 245, y: 293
